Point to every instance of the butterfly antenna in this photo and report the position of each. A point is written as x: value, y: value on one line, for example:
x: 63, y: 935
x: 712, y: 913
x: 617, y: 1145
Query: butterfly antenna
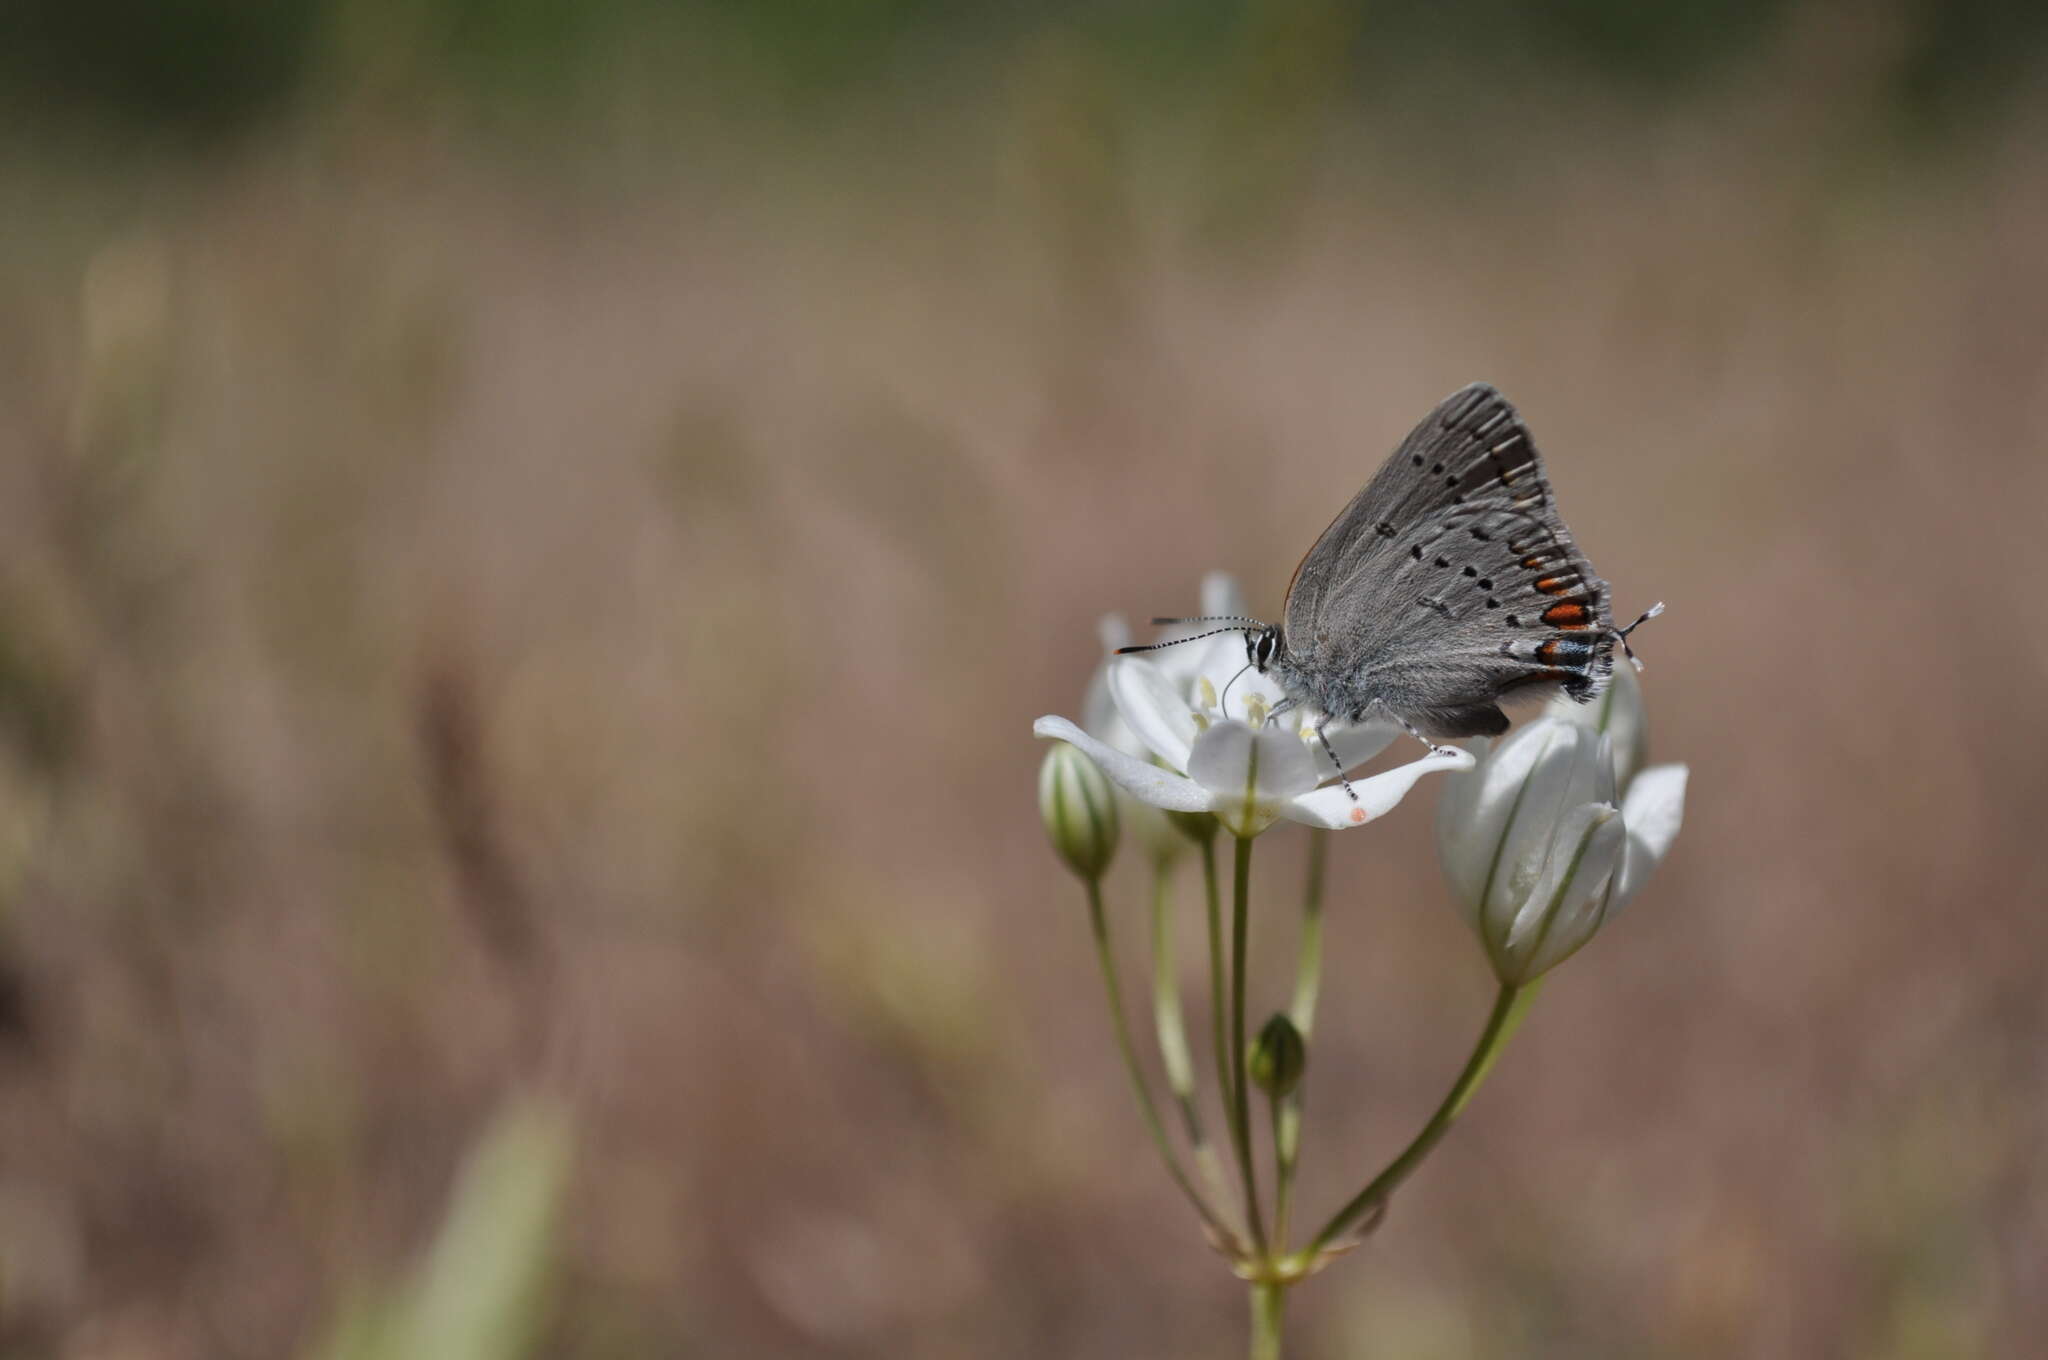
x: 1213, y: 618
x: 1621, y: 634
x: 1175, y: 642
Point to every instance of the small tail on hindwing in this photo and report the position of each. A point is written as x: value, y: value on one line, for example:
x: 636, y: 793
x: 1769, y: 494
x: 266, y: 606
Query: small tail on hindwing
x: 1621, y: 634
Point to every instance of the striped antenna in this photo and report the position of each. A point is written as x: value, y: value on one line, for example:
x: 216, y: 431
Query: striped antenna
x: 1175, y: 642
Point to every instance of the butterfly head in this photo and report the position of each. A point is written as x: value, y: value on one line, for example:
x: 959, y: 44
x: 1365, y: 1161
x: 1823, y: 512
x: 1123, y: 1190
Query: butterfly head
x: 1261, y: 647
x: 1261, y: 640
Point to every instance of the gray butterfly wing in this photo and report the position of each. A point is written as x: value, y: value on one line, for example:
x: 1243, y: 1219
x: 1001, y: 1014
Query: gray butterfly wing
x: 1448, y: 583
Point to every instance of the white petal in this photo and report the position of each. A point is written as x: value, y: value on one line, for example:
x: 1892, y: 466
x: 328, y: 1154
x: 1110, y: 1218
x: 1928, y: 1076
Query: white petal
x: 1250, y: 773
x: 1240, y: 685
x: 1098, y: 711
x: 1573, y: 770
x: 1100, y: 719
x: 1233, y: 759
x: 1457, y: 803
x: 1142, y: 780
x: 1223, y: 650
x: 1221, y: 594
x: 1569, y: 899
x: 1221, y: 658
x: 1154, y: 708
x: 1619, y: 713
x: 1377, y: 796
x: 1115, y: 632
x: 1356, y: 743
x: 1654, y: 810
x: 1472, y: 822
x: 1655, y: 806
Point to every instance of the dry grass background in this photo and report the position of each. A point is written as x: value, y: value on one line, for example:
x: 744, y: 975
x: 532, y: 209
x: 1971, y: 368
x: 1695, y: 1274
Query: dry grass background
x: 476, y: 618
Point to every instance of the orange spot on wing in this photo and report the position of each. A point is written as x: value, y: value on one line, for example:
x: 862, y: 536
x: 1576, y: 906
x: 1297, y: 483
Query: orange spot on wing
x: 1554, y: 585
x: 1359, y: 816
x: 1567, y: 615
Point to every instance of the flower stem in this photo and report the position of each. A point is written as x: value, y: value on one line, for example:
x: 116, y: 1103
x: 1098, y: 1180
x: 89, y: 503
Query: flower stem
x: 1169, y: 1018
x: 1219, y: 1012
x: 1499, y: 1024
x: 1269, y: 1302
x: 1240, y: 1094
x: 1285, y: 1114
x: 1106, y: 957
x: 1308, y: 974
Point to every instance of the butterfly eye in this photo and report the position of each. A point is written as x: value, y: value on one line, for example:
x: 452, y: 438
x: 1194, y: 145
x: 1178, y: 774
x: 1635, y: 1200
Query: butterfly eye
x: 1263, y: 648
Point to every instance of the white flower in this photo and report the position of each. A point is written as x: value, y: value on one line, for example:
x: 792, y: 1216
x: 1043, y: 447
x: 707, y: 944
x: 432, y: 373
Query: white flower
x: 1530, y: 841
x: 1653, y: 799
x: 1207, y: 719
x: 1538, y: 847
x: 1147, y: 825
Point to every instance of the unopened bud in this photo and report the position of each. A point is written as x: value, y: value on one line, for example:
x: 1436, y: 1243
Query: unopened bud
x: 1278, y: 1058
x: 1079, y: 810
x: 1618, y: 712
x: 1532, y: 842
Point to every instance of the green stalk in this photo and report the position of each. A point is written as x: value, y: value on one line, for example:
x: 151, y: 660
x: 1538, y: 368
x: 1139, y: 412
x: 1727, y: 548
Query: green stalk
x: 1240, y: 1102
x: 1269, y: 1302
x: 1285, y: 1116
x: 1106, y: 957
x: 1169, y: 1019
x: 1500, y: 1022
x: 1308, y: 975
x: 1219, y: 1013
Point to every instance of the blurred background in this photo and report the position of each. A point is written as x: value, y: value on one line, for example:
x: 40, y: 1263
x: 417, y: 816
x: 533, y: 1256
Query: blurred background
x: 532, y: 536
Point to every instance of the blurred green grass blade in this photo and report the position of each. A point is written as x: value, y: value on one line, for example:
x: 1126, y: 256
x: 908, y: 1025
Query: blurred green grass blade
x: 481, y: 1292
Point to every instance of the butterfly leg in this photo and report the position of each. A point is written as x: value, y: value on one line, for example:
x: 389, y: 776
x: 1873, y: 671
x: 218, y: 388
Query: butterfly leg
x: 1331, y: 751
x: 1411, y: 729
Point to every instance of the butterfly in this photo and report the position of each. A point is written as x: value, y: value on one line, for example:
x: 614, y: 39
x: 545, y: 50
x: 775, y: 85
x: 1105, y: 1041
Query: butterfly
x: 1449, y: 584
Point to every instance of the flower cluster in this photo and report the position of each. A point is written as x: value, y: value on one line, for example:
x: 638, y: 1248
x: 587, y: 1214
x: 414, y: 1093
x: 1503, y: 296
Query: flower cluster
x: 1544, y: 837
x: 1191, y: 728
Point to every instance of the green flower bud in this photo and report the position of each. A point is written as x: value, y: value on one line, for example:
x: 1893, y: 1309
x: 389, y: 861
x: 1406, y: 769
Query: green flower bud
x: 1279, y: 1056
x: 1079, y: 810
